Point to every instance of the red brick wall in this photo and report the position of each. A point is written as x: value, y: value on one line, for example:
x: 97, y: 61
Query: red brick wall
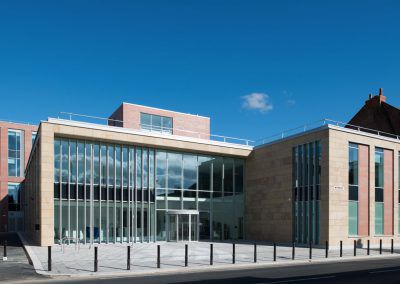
x: 363, y: 190
x: 388, y: 192
x: 4, y: 179
x: 182, y: 124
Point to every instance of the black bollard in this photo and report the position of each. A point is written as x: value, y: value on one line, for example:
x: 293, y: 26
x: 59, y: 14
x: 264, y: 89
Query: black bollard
x: 5, y: 251
x: 211, y: 254
x: 186, y: 255
x: 233, y: 254
x: 128, y: 258
x: 326, y: 249
x: 293, y: 250
x: 355, y: 248
x: 49, y: 258
x: 95, y: 259
x: 158, y: 257
x: 391, y: 247
x: 380, y: 246
x: 255, y: 252
x: 274, y: 251
x: 368, y: 247
x: 310, y: 256
x: 341, y: 248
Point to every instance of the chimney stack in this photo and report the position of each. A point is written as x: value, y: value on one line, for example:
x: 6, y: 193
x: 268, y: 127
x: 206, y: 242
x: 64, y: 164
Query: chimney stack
x: 376, y: 100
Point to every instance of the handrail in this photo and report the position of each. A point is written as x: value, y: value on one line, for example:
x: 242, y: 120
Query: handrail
x: 164, y: 130
x: 319, y: 123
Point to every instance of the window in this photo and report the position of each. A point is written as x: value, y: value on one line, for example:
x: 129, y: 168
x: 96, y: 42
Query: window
x: 379, y: 200
x: 15, y: 153
x: 14, y: 197
x: 156, y: 123
x: 353, y: 189
x: 34, y: 134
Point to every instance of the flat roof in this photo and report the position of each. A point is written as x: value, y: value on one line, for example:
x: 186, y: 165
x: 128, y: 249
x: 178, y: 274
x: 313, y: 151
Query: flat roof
x: 117, y: 129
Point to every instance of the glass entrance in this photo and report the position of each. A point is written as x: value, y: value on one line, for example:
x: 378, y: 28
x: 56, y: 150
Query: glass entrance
x: 182, y: 227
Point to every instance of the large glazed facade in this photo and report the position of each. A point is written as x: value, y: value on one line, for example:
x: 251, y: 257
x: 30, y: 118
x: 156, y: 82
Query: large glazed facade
x: 108, y: 184
x: 107, y: 192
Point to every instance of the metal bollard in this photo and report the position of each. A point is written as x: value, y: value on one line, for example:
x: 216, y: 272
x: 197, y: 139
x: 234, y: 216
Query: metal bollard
x: 380, y: 246
x: 341, y: 248
x: 310, y: 256
x: 49, y: 258
x: 186, y: 255
x: 158, y: 257
x: 128, y: 259
x: 293, y: 250
x: 95, y: 259
x: 211, y: 254
x: 391, y: 247
x: 233, y: 254
x: 355, y: 248
x: 326, y: 249
x: 274, y: 251
x: 255, y: 252
x: 5, y: 251
x: 368, y: 247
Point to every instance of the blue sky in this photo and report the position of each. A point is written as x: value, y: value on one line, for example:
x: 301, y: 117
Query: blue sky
x: 293, y: 61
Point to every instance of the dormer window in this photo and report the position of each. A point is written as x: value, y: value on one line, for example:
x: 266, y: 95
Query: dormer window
x: 155, y: 123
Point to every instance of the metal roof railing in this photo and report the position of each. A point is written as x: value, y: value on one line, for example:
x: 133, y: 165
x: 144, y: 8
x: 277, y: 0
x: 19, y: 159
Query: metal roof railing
x: 154, y: 129
x: 319, y: 123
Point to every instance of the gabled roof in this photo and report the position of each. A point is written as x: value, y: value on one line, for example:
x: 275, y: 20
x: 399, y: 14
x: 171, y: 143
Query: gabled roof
x: 378, y: 115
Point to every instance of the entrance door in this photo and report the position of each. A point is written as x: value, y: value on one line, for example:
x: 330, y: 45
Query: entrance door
x: 182, y: 227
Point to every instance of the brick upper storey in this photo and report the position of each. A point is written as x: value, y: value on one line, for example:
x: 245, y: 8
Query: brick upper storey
x: 189, y: 125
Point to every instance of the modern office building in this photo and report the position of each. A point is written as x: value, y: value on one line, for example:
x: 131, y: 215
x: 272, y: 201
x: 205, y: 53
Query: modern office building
x: 146, y: 174
x: 16, y: 141
x: 336, y: 182
x: 155, y: 177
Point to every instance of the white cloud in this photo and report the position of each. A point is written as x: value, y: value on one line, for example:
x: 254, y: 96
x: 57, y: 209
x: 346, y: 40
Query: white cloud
x: 257, y: 101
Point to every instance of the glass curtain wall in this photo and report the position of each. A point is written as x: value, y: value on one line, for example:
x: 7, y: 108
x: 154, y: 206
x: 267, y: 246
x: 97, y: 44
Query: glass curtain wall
x: 111, y: 193
x: 379, y: 191
x: 15, y: 153
x: 306, y: 192
x: 353, y: 189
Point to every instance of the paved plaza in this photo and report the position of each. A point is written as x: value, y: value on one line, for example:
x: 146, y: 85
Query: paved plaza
x: 112, y: 258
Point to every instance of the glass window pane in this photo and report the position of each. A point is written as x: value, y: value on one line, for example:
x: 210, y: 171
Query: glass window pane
x: 88, y: 164
x: 217, y: 174
x: 189, y: 172
x: 57, y: 160
x: 111, y: 168
x: 205, y: 173
x: 228, y: 175
x: 156, y: 123
x: 353, y: 164
x: 145, y: 121
x: 161, y: 163
x: 145, y: 168
x: 64, y: 160
x: 378, y: 167
x: 81, y: 162
x: 118, y: 165
x: 174, y: 170
x: 72, y: 160
x: 239, y: 169
x: 353, y: 218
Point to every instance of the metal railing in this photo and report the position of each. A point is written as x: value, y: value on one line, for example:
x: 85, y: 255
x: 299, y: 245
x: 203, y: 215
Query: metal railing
x: 319, y: 123
x: 154, y: 129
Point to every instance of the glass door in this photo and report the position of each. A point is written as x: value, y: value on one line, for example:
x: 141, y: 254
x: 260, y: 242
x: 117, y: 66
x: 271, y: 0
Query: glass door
x: 173, y: 228
x: 184, y: 227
